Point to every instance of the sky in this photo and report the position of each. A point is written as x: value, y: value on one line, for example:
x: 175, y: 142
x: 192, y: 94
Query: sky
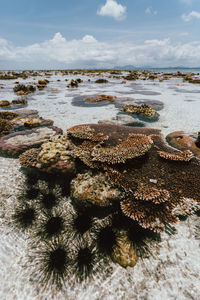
x: 64, y: 34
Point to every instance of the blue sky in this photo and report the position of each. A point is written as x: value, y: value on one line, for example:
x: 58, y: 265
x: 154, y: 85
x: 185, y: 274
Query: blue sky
x: 99, y: 33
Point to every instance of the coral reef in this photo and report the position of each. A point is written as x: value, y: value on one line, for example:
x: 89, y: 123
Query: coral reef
x: 19, y: 102
x: 150, y: 195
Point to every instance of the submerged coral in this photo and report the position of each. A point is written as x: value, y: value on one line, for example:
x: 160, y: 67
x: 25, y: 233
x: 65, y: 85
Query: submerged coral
x: 143, y: 110
x: 100, y: 98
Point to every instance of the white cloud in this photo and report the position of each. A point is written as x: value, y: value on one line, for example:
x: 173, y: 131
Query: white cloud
x: 150, y: 11
x: 193, y: 14
x: 112, y: 9
x: 59, y: 52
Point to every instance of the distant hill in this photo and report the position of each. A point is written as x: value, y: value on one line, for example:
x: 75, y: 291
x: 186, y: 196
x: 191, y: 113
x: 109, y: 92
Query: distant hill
x: 131, y: 67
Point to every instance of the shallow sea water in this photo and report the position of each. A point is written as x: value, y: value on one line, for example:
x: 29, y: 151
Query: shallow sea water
x: 173, y: 270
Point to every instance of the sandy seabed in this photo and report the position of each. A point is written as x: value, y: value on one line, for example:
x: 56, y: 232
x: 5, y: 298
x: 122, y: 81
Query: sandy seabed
x: 173, y: 269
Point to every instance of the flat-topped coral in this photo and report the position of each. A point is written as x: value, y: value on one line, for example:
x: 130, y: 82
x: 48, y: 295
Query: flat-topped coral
x: 99, y: 98
x: 5, y: 127
x: 135, y: 145
x: 186, y: 155
x: 94, y: 189
x: 150, y: 193
x: 84, y: 139
x: 153, y: 186
x: 142, y: 110
x: 85, y: 132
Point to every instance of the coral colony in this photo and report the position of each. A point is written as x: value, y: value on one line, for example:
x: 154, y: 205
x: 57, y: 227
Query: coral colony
x: 98, y: 192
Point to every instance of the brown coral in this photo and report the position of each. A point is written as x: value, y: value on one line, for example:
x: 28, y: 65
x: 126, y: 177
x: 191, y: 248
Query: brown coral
x: 186, y: 155
x: 85, y: 132
x: 7, y: 115
x: 150, y: 193
x: 135, y: 145
x: 149, y: 215
x: 143, y: 110
x: 5, y: 127
x: 28, y: 159
x: 100, y: 98
x: 181, y: 141
x: 4, y: 103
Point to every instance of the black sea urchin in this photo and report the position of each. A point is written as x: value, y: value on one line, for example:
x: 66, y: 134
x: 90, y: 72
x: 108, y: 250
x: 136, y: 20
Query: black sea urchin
x: 24, y: 216
x: 51, y: 226
x: 106, y: 239
x: 48, y: 201
x: 81, y: 223
x: 84, y: 261
x: 51, y: 263
x: 32, y: 193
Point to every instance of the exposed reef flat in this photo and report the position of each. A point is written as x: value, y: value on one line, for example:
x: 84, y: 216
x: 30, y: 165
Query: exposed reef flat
x: 117, y: 204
